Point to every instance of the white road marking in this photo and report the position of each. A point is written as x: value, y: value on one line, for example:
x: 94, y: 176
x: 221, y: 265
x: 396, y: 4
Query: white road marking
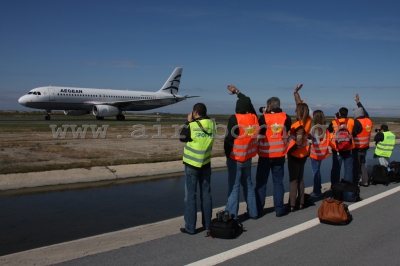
x: 230, y: 254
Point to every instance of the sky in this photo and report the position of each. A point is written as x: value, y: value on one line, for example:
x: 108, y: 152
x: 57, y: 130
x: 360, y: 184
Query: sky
x: 265, y: 48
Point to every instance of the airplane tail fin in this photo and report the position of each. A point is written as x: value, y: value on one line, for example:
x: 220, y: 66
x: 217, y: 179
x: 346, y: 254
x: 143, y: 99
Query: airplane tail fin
x: 171, y: 86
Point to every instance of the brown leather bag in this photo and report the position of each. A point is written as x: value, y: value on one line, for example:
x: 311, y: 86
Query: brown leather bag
x: 334, y: 211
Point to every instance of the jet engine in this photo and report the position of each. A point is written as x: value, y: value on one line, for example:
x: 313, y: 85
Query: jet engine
x: 76, y: 112
x: 105, y: 110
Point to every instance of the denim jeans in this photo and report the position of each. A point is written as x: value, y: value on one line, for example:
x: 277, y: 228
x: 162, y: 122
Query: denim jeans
x: 240, y: 173
x: 316, y: 168
x: 276, y: 166
x: 192, y: 177
x: 337, y: 164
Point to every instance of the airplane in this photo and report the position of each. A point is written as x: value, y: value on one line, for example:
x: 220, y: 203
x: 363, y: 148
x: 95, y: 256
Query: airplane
x: 103, y: 102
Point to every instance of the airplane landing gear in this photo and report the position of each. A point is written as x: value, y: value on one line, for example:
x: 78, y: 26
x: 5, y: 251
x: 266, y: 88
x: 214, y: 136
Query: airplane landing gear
x: 120, y: 117
x: 48, y: 117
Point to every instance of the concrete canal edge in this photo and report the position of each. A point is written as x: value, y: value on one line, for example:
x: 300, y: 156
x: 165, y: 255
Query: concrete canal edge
x: 113, y: 173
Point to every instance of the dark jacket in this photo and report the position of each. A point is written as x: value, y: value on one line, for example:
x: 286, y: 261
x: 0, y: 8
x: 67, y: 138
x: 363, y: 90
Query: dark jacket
x: 243, y: 106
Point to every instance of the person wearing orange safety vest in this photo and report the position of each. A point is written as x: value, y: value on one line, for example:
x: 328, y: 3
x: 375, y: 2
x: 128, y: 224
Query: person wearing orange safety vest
x: 298, y: 154
x: 361, y: 136
x: 240, y: 147
x: 273, y: 145
x: 319, y: 139
x: 344, y: 156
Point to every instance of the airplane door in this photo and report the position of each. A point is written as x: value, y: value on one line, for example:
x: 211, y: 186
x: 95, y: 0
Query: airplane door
x: 51, y: 94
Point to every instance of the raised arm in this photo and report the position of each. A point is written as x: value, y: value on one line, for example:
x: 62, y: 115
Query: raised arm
x: 297, y: 98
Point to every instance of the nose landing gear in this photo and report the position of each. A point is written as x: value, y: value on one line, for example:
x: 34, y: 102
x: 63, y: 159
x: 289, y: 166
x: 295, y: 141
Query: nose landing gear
x: 48, y: 117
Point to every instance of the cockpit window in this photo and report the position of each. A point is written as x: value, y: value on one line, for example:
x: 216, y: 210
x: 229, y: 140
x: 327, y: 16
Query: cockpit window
x: 30, y: 92
x: 39, y: 93
x: 35, y: 93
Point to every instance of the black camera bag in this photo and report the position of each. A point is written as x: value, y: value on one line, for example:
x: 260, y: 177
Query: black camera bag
x: 394, y: 171
x: 380, y: 175
x: 224, y: 226
x: 346, y: 191
x: 225, y: 230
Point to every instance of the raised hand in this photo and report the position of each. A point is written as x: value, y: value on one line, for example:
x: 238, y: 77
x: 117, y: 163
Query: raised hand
x: 232, y: 89
x: 298, y: 87
x: 357, y: 98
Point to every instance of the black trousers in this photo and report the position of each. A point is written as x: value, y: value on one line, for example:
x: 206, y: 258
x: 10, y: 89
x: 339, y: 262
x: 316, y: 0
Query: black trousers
x: 296, y: 172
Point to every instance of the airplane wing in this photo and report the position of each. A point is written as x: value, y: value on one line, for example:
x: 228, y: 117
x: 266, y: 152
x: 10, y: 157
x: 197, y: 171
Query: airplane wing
x: 123, y: 104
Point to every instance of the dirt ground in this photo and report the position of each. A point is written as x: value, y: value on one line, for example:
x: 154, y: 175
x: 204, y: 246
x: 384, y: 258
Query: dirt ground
x: 41, y: 148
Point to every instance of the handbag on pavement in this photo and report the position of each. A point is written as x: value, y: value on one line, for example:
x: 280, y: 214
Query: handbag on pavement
x: 334, y: 211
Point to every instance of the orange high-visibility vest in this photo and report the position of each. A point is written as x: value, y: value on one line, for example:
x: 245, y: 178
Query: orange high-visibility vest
x: 350, y: 126
x: 276, y: 142
x: 245, y: 145
x: 302, y: 151
x: 362, y: 139
x: 319, y: 150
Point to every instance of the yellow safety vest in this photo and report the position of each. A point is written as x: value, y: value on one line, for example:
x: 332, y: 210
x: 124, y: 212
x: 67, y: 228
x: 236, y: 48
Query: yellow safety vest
x: 384, y: 148
x: 198, y: 152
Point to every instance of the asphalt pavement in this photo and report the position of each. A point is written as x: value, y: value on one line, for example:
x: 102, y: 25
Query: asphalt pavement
x: 298, y: 238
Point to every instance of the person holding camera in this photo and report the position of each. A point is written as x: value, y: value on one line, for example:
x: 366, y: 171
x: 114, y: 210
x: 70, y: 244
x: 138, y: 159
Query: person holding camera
x: 273, y: 145
x: 385, y: 141
x: 361, y: 136
x: 342, y: 145
x: 240, y: 147
x: 198, y: 133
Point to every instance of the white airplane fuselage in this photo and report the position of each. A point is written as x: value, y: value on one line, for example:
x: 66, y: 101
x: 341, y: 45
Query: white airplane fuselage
x: 68, y: 98
x: 103, y: 102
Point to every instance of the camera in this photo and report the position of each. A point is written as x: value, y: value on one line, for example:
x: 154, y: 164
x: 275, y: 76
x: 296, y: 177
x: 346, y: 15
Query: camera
x: 223, y: 216
x: 377, y: 130
x: 262, y: 109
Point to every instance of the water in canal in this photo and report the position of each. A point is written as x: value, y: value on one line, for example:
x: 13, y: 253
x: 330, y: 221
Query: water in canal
x: 33, y: 220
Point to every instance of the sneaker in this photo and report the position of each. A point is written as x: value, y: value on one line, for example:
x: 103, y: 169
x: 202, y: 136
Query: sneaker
x: 315, y: 195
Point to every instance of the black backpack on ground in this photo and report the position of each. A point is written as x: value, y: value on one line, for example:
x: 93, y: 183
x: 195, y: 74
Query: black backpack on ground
x: 346, y: 191
x: 224, y: 226
x: 394, y: 171
x: 380, y: 175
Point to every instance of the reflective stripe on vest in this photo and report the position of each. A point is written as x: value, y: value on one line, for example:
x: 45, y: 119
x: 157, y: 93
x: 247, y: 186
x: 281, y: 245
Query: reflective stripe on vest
x: 301, y: 151
x: 385, y: 147
x: 362, y: 139
x: 350, y: 126
x: 276, y: 142
x: 245, y: 145
x: 198, y: 152
x: 319, y: 151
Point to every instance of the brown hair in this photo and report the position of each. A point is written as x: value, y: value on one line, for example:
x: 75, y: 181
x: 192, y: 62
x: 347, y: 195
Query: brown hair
x: 319, y: 119
x: 302, y: 112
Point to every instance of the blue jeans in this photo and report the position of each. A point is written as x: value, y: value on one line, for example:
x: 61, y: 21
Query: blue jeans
x: 316, y: 168
x: 240, y: 173
x: 192, y: 177
x: 276, y: 166
x: 337, y: 164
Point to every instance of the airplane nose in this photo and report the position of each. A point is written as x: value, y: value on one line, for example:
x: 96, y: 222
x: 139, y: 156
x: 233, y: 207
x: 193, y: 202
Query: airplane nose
x: 22, y: 101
